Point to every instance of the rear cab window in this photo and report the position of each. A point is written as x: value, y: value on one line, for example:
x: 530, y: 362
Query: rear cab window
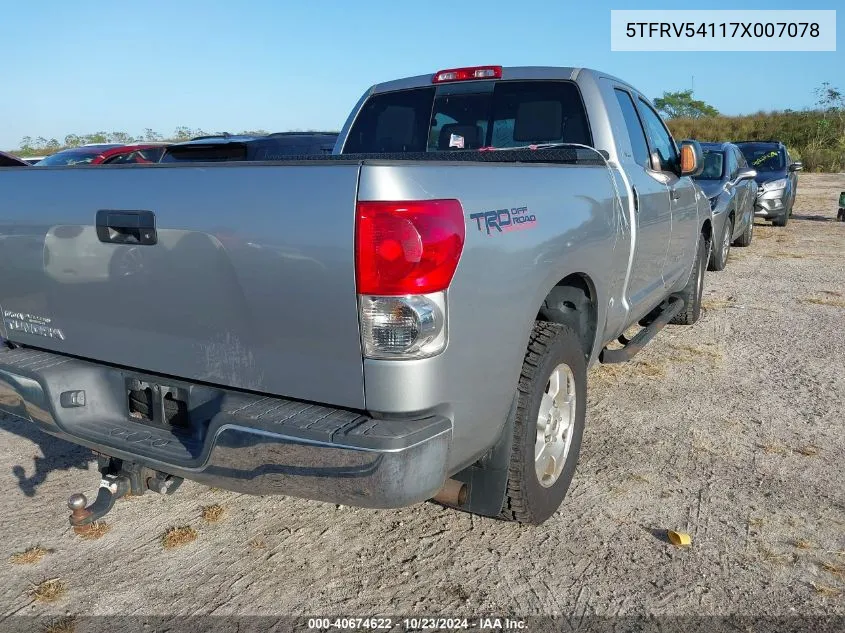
x: 470, y: 116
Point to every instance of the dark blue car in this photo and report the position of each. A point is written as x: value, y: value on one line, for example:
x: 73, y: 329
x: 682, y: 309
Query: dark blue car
x: 729, y: 184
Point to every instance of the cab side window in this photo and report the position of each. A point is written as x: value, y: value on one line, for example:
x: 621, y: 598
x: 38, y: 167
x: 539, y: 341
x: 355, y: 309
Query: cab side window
x: 664, y: 154
x: 740, y: 159
x: 639, y: 147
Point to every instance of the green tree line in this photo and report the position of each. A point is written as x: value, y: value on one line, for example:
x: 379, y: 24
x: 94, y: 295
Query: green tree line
x: 37, y: 146
x: 815, y: 136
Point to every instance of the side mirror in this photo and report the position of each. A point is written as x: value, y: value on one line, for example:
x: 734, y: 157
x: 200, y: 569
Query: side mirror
x: 692, y: 159
x: 745, y: 173
x: 796, y: 166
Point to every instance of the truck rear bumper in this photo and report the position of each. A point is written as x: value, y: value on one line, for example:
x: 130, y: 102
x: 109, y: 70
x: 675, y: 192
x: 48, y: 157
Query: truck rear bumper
x: 233, y: 440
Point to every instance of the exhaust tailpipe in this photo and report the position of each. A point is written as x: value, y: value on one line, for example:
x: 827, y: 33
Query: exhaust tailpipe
x: 453, y: 493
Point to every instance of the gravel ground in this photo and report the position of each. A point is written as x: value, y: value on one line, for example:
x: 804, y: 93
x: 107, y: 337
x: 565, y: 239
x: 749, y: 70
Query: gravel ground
x: 731, y: 430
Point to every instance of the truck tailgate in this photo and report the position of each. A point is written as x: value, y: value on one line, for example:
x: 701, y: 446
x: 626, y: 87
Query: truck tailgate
x: 250, y: 283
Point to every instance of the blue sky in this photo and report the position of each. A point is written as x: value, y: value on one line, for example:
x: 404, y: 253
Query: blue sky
x: 80, y: 67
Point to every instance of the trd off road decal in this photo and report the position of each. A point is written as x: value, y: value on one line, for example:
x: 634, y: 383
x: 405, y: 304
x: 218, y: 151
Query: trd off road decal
x: 504, y: 220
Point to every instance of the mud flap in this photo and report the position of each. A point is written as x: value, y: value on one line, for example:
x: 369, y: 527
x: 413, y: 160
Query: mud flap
x: 487, y: 479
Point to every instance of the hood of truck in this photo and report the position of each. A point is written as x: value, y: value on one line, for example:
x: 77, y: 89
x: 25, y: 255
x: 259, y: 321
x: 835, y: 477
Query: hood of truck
x: 250, y: 282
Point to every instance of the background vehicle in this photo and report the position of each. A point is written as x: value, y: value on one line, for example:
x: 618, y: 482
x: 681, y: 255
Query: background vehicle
x: 140, y: 153
x: 390, y: 327
x: 729, y: 184
x: 83, y: 155
x: 777, y: 177
x: 8, y: 160
x: 34, y: 159
x: 252, y: 148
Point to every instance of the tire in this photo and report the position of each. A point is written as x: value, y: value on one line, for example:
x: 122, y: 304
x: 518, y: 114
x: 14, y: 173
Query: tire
x: 691, y: 294
x: 782, y: 220
x: 550, y: 347
x: 719, y: 258
x: 745, y: 239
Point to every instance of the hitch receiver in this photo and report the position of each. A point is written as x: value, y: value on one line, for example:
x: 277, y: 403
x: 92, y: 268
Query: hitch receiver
x: 119, y: 478
x: 112, y: 488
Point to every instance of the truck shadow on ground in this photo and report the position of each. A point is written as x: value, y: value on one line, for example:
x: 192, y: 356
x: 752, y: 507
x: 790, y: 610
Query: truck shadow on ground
x: 56, y: 454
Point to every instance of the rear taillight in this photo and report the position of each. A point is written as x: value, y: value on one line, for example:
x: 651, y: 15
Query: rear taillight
x: 407, y: 247
x: 467, y: 74
x: 406, y: 254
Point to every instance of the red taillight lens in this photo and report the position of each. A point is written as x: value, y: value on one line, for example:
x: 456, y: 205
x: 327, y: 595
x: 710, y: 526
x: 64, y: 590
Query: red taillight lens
x: 407, y: 247
x: 467, y: 74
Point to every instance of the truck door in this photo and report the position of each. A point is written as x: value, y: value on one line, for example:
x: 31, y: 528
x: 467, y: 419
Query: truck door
x: 652, y: 211
x: 683, y: 197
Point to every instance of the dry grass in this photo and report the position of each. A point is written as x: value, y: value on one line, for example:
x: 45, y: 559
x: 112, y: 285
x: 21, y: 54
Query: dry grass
x: 640, y: 478
x: 778, y: 558
x: 807, y: 451
x: 831, y: 568
x: 65, y: 624
x: 213, y: 513
x: 820, y: 301
x: 689, y: 353
x: 717, y: 304
x: 616, y: 371
x: 29, y: 556
x: 827, y: 592
x: 648, y: 369
x: 803, y: 544
x: 257, y: 544
x: 48, y: 590
x: 773, y: 449
x: 178, y: 536
x: 785, y: 256
x: 755, y: 522
x: 831, y: 293
x: 93, y: 531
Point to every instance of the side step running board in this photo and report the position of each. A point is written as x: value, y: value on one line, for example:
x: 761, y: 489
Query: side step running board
x: 667, y: 312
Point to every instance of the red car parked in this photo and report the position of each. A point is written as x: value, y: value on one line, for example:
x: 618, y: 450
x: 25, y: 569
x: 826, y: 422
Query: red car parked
x: 141, y: 153
x: 106, y: 154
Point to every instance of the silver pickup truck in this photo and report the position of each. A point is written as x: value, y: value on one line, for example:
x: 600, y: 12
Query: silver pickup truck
x: 410, y: 318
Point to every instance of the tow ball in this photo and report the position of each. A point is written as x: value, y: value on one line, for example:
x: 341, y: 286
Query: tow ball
x: 118, y: 478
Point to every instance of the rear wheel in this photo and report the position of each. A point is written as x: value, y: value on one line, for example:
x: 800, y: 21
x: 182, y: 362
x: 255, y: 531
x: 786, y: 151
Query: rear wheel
x: 549, y: 424
x: 782, y: 220
x: 719, y: 258
x: 691, y: 294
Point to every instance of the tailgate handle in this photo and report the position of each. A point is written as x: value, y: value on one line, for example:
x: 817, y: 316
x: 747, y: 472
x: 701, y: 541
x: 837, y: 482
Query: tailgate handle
x: 127, y: 227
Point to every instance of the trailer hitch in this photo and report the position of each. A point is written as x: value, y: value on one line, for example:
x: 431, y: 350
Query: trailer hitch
x: 112, y: 488
x: 119, y: 478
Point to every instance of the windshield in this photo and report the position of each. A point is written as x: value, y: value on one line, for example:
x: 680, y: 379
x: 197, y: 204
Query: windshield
x: 713, y: 166
x: 71, y: 157
x: 764, y: 157
x: 470, y: 116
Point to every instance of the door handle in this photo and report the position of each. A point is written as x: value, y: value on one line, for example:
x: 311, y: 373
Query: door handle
x: 636, y: 195
x: 126, y: 227
x: 674, y: 194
